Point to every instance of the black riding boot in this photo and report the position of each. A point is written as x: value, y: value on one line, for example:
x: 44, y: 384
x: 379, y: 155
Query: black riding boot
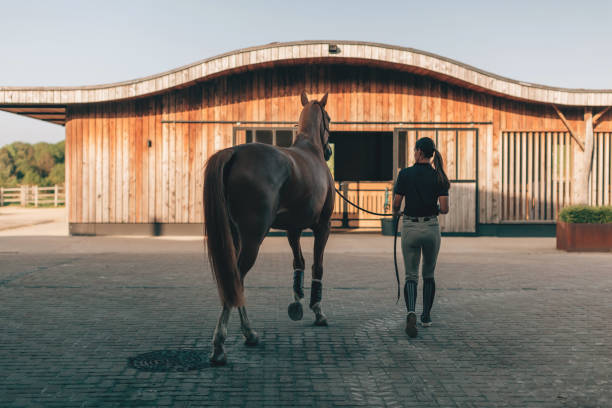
x: 410, y: 296
x: 429, y: 292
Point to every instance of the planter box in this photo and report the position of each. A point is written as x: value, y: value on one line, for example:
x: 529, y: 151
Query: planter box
x: 584, y: 237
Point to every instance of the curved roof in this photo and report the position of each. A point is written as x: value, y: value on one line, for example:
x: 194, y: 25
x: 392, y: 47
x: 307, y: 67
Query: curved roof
x: 44, y: 102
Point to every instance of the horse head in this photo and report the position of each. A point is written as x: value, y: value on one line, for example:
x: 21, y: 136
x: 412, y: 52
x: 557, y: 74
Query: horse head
x: 314, y: 121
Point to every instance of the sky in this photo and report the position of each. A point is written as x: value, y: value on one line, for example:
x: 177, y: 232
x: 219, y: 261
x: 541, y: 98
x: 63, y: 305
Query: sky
x: 42, y: 43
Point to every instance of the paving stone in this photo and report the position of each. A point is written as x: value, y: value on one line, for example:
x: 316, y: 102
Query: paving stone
x: 512, y: 328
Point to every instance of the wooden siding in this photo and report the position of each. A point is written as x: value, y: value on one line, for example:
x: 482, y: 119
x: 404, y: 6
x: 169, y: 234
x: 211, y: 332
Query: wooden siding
x: 601, y: 177
x: 116, y: 177
x: 536, y: 175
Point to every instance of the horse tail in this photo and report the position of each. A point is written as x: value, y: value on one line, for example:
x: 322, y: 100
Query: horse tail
x: 220, y: 242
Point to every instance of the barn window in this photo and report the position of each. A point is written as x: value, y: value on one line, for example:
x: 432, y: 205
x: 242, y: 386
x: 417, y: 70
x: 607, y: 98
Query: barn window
x: 282, y: 137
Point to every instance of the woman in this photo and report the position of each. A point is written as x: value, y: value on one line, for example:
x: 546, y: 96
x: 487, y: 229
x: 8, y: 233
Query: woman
x: 424, y: 187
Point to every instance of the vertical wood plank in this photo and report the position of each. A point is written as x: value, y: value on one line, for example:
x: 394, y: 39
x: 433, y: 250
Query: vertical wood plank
x: 542, y: 179
x: 536, y: 175
x: 529, y: 180
x: 158, y: 143
x: 151, y: 159
x: 78, y: 165
x: 562, y: 165
x: 144, y: 177
x: 74, y: 166
x: 505, y: 189
x: 99, y: 190
x: 127, y: 163
x: 523, y: 191
x: 186, y: 169
x: 549, y: 178
x: 69, y: 164
x: 169, y: 159
x: 119, y: 164
x: 91, y: 158
x: 513, y: 166
x: 105, y: 163
x: 606, y: 168
x: 194, y: 151
x: 555, y: 173
x: 135, y: 166
x: 179, y: 173
x: 567, y: 169
x: 600, y: 169
x: 112, y: 161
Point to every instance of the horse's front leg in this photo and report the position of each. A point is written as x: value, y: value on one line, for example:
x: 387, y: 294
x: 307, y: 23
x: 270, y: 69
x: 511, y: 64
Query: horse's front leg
x: 295, y: 310
x: 321, y: 233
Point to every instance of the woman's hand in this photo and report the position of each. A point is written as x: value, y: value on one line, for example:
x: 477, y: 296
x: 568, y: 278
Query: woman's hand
x: 443, y: 204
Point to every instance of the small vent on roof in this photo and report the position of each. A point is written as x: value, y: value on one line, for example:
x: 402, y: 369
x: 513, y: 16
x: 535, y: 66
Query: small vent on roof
x: 334, y: 49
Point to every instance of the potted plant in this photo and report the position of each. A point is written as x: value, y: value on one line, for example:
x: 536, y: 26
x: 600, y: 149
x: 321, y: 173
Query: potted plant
x: 585, y: 228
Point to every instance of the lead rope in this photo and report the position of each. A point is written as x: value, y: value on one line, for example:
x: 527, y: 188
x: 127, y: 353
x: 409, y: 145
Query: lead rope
x: 395, y: 229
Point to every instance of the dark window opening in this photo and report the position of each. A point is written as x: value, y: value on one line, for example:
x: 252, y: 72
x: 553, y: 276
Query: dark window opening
x: 363, y: 156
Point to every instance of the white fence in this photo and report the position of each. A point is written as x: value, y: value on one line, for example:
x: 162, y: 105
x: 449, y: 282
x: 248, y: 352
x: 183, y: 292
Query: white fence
x: 33, y: 195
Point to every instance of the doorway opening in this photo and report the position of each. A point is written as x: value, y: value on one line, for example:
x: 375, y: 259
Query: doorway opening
x: 362, y: 156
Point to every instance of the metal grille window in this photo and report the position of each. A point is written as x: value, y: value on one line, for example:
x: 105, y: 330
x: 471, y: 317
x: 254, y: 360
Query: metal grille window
x: 282, y: 137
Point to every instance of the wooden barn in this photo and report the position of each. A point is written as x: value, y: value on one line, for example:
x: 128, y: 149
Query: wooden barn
x: 516, y: 152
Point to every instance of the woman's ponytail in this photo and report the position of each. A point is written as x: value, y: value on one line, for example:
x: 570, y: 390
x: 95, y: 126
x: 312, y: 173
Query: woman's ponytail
x: 438, y: 163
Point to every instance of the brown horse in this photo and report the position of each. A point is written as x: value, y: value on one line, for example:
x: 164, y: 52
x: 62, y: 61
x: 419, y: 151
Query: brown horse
x: 252, y: 187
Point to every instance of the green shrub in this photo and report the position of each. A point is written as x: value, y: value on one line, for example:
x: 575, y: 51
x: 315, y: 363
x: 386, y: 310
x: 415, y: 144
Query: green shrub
x: 585, y: 214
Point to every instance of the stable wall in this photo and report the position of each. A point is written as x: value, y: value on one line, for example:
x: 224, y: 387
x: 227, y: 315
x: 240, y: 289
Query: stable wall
x: 124, y: 165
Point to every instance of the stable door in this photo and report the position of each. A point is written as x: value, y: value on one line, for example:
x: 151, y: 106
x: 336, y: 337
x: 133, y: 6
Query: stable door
x: 459, y: 149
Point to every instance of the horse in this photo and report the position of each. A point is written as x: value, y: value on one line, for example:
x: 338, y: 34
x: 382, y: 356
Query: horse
x: 253, y: 187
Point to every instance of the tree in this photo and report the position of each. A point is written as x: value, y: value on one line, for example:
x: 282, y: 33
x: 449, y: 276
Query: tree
x: 40, y: 164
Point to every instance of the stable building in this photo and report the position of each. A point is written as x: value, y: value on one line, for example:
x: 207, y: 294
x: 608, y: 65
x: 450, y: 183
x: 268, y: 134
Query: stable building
x: 516, y: 153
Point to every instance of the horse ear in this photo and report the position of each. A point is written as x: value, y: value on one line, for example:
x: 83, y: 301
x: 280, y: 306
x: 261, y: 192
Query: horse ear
x: 323, y: 100
x: 304, y: 98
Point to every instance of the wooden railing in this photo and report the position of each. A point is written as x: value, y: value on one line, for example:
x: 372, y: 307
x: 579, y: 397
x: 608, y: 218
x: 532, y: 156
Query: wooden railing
x: 33, y: 195
x: 373, y: 196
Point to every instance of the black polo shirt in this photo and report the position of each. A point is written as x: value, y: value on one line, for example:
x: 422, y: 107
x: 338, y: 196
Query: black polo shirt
x: 419, y: 184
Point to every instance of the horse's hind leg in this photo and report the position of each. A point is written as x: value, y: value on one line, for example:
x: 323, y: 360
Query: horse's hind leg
x: 295, y: 310
x: 321, y: 233
x: 218, y: 356
x: 251, y: 338
x: 246, y: 260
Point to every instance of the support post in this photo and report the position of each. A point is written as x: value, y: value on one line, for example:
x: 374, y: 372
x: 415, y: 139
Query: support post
x: 55, y: 196
x: 1, y: 196
x: 569, y: 128
x: 23, y: 201
x: 584, y: 162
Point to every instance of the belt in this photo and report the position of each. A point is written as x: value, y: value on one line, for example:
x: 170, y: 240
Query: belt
x: 420, y: 219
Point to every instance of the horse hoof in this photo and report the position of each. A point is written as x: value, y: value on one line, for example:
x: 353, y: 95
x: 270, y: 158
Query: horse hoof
x: 251, y: 340
x: 296, y: 311
x: 321, y: 321
x: 218, y: 359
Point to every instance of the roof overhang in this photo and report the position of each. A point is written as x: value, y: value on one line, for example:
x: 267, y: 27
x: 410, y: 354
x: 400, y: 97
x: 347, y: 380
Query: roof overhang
x: 49, y: 103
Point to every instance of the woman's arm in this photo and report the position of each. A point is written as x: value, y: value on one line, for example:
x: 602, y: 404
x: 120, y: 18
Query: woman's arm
x: 443, y: 204
x: 397, y: 204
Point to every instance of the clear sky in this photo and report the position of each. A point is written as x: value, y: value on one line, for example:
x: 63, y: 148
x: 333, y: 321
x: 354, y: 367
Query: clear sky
x: 46, y: 43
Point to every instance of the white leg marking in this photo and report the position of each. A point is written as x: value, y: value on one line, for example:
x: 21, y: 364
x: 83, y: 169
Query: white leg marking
x: 250, y: 335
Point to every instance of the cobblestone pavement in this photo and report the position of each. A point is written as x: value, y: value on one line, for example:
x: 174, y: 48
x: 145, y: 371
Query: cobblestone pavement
x: 516, y: 324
